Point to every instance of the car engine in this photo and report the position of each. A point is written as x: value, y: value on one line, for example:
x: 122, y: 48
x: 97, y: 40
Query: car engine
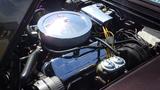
x: 81, y: 45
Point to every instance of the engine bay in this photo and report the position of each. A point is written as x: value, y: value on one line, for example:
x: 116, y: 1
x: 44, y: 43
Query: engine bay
x: 81, y: 45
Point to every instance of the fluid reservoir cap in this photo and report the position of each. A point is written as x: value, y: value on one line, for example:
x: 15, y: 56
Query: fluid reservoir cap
x: 118, y: 60
x: 64, y: 24
x: 108, y: 65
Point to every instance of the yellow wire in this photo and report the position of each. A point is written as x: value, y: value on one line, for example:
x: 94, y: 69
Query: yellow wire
x: 110, y: 33
x: 107, y: 34
x: 109, y: 53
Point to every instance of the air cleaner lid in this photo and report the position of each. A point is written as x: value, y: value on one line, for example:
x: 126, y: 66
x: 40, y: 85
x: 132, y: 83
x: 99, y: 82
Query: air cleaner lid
x: 64, y: 24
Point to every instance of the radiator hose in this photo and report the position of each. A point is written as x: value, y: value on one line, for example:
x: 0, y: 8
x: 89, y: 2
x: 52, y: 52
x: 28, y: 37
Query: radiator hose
x: 31, y: 62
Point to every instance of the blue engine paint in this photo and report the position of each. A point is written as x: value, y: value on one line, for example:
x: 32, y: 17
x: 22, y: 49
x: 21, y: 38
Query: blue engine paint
x: 65, y: 68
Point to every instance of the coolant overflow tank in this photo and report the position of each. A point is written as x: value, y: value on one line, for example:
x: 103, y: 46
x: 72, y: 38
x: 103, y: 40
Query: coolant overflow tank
x: 64, y: 29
